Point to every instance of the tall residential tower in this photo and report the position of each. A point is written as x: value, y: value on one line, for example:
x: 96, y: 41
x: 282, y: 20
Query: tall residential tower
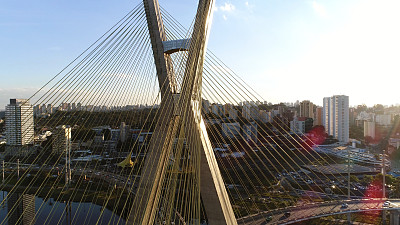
x: 335, y: 117
x: 306, y: 109
x: 19, y: 122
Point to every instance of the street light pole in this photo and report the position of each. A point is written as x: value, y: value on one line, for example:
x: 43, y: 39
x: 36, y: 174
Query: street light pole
x: 348, y: 173
x: 18, y: 167
x: 384, y: 175
x: 348, y: 182
x: 383, y: 185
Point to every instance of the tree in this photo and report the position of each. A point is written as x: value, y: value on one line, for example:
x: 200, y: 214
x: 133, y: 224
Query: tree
x: 356, y: 132
x: 318, y: 134
x: 361, y: 108
x: 389, y: 179
x: 378, y: 108
x: 2, y: 125
x: 367, y: 179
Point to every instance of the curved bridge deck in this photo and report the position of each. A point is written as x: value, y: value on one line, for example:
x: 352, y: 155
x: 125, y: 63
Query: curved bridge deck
x: 317, y: 210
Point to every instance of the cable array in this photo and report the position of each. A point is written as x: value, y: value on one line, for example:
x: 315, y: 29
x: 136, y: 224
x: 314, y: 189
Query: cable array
x: 261, y: 163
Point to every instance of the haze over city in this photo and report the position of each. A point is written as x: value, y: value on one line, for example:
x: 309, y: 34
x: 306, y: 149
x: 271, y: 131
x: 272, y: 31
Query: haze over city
x: 285, y: 50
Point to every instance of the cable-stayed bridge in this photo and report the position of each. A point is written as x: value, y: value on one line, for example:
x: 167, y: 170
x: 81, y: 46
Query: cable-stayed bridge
x: 182, y: 164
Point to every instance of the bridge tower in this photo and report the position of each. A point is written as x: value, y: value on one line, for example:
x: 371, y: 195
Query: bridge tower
x: 180, y: 117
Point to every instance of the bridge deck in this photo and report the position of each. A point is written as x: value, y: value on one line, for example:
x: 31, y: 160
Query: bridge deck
x: 316, y: 210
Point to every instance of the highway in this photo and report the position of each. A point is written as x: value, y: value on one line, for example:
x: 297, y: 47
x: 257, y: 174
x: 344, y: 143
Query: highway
x: 316, y: 210
x: 279, y: 216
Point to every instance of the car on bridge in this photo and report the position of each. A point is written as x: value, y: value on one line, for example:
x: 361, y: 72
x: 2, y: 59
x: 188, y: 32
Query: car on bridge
x: 386, y: 204
x: 268, y: 219
x: 344, y: 206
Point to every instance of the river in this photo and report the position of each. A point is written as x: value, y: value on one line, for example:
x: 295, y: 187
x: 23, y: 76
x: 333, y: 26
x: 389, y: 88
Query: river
x: 24, y: 209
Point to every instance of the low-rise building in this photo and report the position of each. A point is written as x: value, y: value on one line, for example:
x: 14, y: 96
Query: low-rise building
x: 230, y: 130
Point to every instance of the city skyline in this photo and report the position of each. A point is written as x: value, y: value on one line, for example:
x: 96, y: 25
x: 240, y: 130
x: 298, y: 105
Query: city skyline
x: 157, y: 131
x: 312, y: 48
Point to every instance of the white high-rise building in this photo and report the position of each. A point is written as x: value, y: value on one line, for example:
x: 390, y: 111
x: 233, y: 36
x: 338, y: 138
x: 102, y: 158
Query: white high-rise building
x: 19, y: 122
x: 335, y: 117
x: 61, y: 139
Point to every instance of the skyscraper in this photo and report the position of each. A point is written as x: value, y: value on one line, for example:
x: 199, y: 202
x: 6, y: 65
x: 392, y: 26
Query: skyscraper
x: 19, y: 122
x: 335, y: 117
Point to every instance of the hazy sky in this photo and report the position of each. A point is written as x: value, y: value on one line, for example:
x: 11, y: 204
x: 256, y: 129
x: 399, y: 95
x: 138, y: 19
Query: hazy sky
x: 287, y: 50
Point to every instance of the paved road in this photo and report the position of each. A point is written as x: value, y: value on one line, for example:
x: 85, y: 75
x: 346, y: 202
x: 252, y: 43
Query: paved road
x: 316, y: 210
x: 297, y: 213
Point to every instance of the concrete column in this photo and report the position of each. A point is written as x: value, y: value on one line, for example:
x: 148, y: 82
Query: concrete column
x: 394, y: 217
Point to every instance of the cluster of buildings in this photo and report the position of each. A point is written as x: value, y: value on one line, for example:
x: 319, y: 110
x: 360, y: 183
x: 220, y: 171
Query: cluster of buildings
x: 377, y: 125
x: 235, y: 121
x: 20, y: 129
x: 21, y: 139
x: 300, y: 117
x: 122, y: 134
x: 45, y: 110
x: 370, y: 121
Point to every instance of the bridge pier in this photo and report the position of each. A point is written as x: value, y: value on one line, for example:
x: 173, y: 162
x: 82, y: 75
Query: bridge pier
x: 394, y: 217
